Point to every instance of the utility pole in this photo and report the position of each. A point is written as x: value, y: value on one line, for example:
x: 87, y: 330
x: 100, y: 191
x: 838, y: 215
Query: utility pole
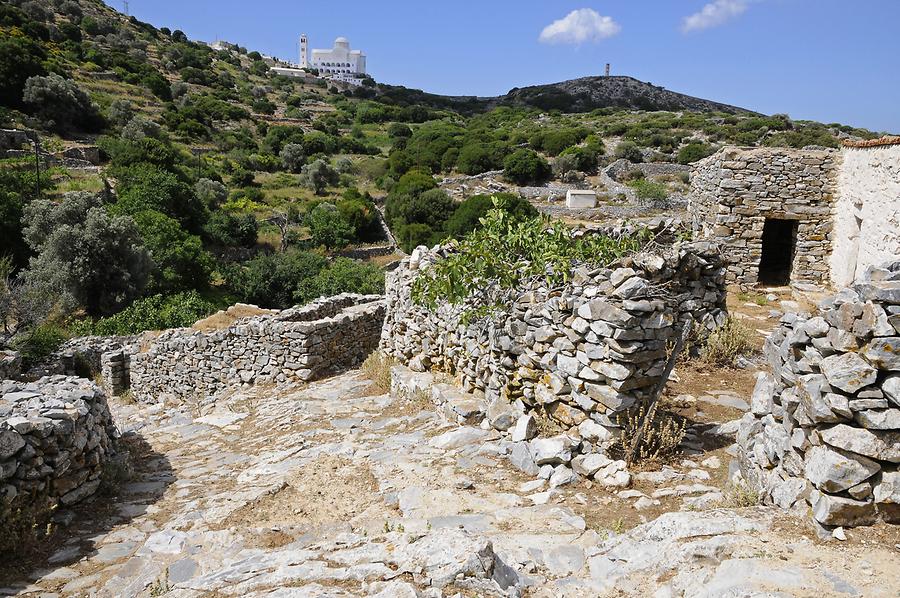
x: 37, y: 163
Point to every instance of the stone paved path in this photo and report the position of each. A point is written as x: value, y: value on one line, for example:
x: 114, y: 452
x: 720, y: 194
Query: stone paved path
x: 330, y: 491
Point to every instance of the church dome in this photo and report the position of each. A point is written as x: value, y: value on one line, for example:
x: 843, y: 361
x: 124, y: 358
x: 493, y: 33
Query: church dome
x: 342, y: 42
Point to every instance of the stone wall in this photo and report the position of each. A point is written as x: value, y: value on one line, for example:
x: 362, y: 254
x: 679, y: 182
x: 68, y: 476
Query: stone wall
x: 298, y: 344
x: 867, y: 210
x: 10, y: 365
x: 56, y: 434
x: 734, y: 191
x: 824, y: 426
x: 589, y: 349
x: 649, y: 169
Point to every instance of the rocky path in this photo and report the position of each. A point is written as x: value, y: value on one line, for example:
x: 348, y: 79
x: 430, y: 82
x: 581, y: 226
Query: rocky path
x: 332, y: 490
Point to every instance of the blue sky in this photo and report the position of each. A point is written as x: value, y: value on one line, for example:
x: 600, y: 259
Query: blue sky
x: 827, y: 60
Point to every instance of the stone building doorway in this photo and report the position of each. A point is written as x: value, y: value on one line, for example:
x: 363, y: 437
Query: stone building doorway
x: 779, y: 240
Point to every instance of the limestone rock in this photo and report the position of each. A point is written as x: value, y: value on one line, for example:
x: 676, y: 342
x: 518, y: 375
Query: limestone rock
x: 883, y: 446
x: 526, y: 428
x: 884, y: 353
x: 837, y: 510
x: 833, y: 470
x: 848, y: 372
x: 554, y: 450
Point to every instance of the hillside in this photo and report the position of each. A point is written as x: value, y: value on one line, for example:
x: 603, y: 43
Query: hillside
x: 589, y: 93
x: 224, y: 182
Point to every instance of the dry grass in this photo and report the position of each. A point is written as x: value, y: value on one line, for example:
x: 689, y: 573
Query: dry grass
x: 661, y: 437
x: 223, y: 319
x: 738, y: 496
x: 377, y: 368
x: 730, y: 341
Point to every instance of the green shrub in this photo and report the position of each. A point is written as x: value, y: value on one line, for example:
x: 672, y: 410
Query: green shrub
x: 39, y: 342
x: 343, y: 275
x: 468, y: 214
x: 628, y: 150
x: 694, y: 151
x: 649, y: 190
x: 328, y: 227
x: 525, y: 167
x: 61, y: 104
x: 505, y: 251
x: 227, y: 230
x: 157, y: 312
x: 271, y: 280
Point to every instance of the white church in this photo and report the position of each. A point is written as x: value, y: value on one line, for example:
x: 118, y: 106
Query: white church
x: 339, y: 63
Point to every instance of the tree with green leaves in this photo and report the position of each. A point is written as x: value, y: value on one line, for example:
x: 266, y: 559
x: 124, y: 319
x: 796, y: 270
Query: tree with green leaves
x: 179, y: 260
x: 20, y: 59
x: 526, y: 167
x: 84, y: 255
x: 328, y: 227
x: 61, y: 104
x: 318, y: 175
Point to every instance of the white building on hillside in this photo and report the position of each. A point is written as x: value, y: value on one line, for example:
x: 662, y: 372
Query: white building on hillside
x: 339, y: 63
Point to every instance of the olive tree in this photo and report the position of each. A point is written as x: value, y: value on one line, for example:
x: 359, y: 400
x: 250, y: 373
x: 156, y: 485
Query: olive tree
x: 61, y: 104
x: 317, y: 176
x: 83, y: 255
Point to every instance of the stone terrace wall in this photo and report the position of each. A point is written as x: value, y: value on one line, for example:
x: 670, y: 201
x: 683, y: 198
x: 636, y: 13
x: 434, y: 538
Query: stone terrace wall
x: 298, y: 344
x: 56, y: 434
x: 589, y: 349
x: 736, y: 189
x: 824, y: 426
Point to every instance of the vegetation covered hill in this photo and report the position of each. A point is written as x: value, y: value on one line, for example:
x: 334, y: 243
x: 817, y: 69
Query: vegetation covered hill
x: 222, y: 182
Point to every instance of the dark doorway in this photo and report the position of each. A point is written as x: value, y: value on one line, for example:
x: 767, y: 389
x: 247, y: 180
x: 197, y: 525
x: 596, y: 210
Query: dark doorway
x: 778, y: 242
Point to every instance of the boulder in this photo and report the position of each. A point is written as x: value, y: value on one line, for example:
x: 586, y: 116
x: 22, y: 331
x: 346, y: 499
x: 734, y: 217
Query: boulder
x: 884, y: 353
x: 837, y: 510
x: 878, y: 419
x: 848, y: 372
x: 588, y: 465
x: 553, y: 451
x: 526, y: 428
x: 833, y: 470
x: 883, y: 446
x: 762, y: 400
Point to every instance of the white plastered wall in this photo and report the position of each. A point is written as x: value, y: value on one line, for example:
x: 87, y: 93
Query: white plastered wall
x: 867, y: 211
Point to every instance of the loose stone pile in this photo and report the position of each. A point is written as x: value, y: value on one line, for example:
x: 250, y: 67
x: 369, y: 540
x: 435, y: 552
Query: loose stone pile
x: 587, y: 350
x: 734, y: 191
x: 824, y: 427
x: 297, y: 344
x: 56, y: 434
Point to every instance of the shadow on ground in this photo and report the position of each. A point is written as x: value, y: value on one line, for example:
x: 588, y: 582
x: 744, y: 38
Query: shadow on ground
x: 77, y: 529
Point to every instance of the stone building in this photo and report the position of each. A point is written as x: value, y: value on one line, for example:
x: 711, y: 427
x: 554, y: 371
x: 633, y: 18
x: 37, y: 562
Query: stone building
x: 787, y: 216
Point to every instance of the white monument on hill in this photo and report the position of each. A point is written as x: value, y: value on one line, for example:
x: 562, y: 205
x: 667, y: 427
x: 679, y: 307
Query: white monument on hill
x: 339, y: 63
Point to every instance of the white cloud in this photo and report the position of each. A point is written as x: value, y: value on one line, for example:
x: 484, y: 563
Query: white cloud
x: 714, y: 14
x: 579, y: 26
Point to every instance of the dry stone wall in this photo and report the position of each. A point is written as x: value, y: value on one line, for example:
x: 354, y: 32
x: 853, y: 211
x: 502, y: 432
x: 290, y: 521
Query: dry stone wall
x: 734, y: 191
x: 824, y: 426
x: 56, y: 434
x: 298, y: 344
x: 587, y: 350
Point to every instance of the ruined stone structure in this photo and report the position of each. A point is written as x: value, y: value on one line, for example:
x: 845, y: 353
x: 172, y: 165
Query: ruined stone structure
x: 770, y: 209
x: 824, y: 426
x: 800, y: 216
x: 56, y: 435
x: 589, y: 349
x: 297, y: 344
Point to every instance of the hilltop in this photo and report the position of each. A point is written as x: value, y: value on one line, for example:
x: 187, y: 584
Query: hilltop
x: 589, y: 93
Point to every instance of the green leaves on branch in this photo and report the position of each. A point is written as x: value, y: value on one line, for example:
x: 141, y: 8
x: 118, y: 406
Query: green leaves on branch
x: 506, y: 251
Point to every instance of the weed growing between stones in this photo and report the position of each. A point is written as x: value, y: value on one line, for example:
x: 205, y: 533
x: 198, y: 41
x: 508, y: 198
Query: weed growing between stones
x: 661, y: 438
x: 24, y: 526
x: 739, y: 495
x: 377, y: 368
x: 728, y: 342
